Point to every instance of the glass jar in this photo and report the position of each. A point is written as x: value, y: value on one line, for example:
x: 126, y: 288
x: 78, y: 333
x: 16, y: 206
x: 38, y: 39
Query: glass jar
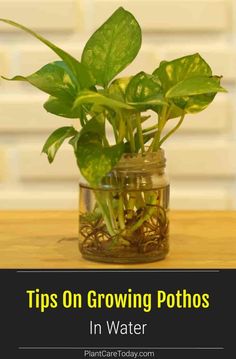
x: 125, y: 219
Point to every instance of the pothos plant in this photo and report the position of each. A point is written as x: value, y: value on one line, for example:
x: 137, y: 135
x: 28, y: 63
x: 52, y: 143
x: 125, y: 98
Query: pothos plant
x: 89, y: 91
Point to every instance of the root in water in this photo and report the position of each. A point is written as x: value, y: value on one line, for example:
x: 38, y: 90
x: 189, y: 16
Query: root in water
x: 148, y: 239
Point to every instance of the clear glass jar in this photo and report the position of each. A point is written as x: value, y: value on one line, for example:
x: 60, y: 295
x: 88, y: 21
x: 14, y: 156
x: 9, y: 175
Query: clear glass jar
x: 125, y: 219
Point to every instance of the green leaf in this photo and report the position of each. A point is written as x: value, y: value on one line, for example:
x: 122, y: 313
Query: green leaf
x: 97, y: 98
x: 118, y: 88
x: 144, y: 91
x: 195, y: 86
x: 112, y: 47
x: 74, y: 141
x: 56, y: 139
x: 201, y: 92
x: 95, y: 160
x: 193, y: 104
x: 95, y: 125
x: 58, y: 107
x: 172, y: 72
x: 80, y: 71
x: 188, y: 84
x: 54, y: 78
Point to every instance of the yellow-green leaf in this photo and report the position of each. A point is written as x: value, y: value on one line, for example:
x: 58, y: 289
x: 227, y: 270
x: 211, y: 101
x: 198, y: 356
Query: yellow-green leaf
x: 112, y: 47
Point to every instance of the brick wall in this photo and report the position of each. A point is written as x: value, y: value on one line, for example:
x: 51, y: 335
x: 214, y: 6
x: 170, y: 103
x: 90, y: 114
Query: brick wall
x: 201, y: 157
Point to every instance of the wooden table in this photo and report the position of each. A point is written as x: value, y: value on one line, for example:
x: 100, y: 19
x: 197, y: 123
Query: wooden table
x: 48, y: 240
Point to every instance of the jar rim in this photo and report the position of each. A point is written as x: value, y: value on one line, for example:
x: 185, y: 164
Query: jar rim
x: 130, y: 160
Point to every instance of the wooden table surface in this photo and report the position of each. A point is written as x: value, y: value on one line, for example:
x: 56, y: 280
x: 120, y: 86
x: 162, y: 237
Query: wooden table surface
x: 49, y: 240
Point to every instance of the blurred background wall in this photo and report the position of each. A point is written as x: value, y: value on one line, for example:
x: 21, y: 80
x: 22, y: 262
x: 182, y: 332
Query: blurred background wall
x: 201, y: 157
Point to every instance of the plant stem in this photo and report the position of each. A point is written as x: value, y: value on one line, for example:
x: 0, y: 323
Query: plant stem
x: 105, y: 212
x: 111, y: 208
x: 139, y: 131
x: 121, y: 131
x: 149, y: 212
x: 154, y: 145
x: 148, y: 129
x: 121, y: 217
x: 131, y: 203
x: 131, y: 136
x: 82, y: 123
x: 103, y: 118
x: 105, y: 141
x: 111, y: 120
x: 161, y: 123
x: 173, y: 129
